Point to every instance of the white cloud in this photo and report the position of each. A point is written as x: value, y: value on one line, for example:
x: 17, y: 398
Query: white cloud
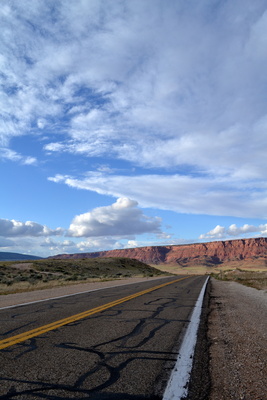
x: 185, y: 194
x: 38, y: 245
x: 29, y: 161
x: 7, y: 154
x: 110, y: 79
x: 44, y: 247
x: 13, y: 228
x: 122, y: 218
x: 41, y: 123
x: 52, y: 247
x: 132, y: 243
x: 98, y: 244
x: 178, y: 112
x: 48, y: 242
x: 220, y: 232
x: 116, y: 76
x: 54, y: 147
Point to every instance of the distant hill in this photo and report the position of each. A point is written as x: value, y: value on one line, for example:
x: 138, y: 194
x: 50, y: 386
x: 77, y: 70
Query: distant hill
x: 17, y: 257
x: 209, y: 254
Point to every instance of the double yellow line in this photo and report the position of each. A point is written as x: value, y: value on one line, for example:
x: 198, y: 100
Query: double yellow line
x: 57, y: 324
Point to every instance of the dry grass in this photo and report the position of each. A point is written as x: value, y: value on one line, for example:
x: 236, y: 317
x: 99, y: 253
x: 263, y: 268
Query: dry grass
x: 248, y: 273
x: 201, y: 269
x: 255, y: 279
x: 49, y: 273
x: 43, y: 274
x: 190, y: 270
x: 21, y: 287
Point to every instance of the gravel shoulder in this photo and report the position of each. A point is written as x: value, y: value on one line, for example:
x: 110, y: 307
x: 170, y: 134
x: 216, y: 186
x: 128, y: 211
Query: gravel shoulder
x: 237, y: 333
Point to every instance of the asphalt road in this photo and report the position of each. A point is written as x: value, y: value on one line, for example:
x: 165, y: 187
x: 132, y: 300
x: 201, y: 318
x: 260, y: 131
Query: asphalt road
x: 124, y: 352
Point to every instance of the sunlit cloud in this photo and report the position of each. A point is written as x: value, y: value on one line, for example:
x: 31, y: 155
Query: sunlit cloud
x: 122, y: 218
x: 184, y: 194
x: 13, y: 228
x: 220, y: 232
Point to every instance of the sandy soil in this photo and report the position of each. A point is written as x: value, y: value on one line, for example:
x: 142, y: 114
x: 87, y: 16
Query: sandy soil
x: 238, y: 342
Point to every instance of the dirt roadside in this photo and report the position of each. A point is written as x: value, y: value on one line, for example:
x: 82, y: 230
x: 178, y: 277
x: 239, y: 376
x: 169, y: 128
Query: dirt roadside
x: 237, y: 334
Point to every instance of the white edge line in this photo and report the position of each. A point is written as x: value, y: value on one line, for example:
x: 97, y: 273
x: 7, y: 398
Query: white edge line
x: 75, y: 294
x: 177, y: 387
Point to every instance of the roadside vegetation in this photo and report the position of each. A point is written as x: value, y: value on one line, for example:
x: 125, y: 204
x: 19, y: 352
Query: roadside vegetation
x: 255, y: 279
x: 247, y: 273
x: 22, y: 276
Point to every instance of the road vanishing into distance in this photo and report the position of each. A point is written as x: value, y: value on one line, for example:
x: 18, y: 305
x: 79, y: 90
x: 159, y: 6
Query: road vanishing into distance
x: 118, y: 343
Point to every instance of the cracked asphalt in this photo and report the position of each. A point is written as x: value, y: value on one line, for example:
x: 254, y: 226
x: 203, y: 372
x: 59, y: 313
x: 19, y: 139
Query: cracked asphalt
x: 125, y: 352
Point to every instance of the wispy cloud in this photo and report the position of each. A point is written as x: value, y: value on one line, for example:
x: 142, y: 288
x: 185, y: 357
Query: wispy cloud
x: 158, y: 94
x: 11, y: 155
x: 185, y: 194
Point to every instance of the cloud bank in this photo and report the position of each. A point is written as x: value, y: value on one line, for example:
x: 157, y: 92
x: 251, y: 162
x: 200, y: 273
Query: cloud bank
x: 220, y: 232
x: 13, y: 228
x: 114, y: 226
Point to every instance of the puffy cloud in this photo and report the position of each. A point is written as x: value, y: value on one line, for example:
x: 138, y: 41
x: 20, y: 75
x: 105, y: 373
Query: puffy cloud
x: 220, y: 232
x: 13, y: 228
x: 132, y: 243
x: 122, y: 218
x: 233, y: 230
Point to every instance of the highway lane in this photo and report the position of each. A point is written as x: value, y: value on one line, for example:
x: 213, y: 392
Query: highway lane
x: 124, y: 352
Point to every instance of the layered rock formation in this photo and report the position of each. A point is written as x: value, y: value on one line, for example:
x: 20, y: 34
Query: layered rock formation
x: 212, y: 253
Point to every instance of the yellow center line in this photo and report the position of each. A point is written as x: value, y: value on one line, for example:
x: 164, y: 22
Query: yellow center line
x: 57, y: 324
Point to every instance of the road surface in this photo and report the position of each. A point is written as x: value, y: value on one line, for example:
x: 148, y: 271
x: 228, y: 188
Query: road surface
x: 116, y: 343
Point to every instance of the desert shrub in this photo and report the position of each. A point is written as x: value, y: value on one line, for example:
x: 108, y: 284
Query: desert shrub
x: 6, y: 281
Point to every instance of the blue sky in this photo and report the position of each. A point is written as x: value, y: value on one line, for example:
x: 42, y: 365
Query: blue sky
x: 131, y: 123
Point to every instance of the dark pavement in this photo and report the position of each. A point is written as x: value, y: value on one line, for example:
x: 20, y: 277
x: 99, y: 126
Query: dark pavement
x: 125, y: 352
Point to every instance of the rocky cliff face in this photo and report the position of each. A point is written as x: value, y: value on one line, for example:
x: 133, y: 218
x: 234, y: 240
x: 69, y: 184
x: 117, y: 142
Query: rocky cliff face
x: 212, y: 253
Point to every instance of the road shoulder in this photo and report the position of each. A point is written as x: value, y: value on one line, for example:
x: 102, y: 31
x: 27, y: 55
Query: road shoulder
x: 237, y: 333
